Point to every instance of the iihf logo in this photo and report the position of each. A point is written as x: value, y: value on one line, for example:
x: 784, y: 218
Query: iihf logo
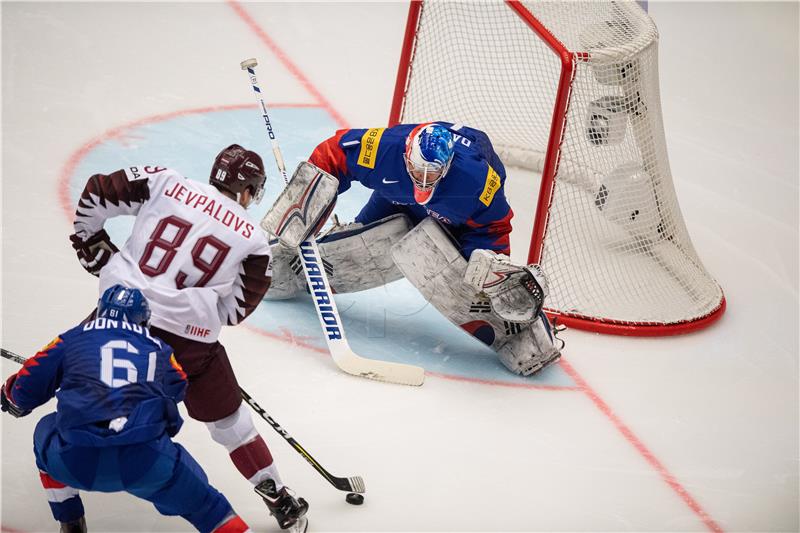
x: 197, y: 331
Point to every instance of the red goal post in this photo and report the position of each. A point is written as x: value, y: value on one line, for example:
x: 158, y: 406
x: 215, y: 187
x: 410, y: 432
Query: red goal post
x: 570, y: 90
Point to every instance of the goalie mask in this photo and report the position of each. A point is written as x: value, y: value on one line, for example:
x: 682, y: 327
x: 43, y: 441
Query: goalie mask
x: 429, y: 152
x: 236, y: 170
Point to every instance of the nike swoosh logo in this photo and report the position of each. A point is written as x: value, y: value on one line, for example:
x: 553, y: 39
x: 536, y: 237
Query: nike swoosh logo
x: 388, y: 182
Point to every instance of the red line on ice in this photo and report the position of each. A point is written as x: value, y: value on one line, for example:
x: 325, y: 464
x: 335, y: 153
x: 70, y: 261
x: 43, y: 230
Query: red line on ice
x: 67, y: 204
x: 640, y: 447
x: 287, y: 337
x: 287, y: 62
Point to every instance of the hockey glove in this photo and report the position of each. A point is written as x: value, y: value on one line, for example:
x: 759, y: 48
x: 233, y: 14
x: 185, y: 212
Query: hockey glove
x: 7, y: 405
x: 94, y: 252
x: 516, y: 293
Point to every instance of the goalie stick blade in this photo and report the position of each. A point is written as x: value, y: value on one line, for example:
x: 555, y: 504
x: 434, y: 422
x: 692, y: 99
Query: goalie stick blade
x: 344, y: 357
x: 399, y: 373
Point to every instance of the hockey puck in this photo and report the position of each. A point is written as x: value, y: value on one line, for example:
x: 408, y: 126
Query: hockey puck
x: 354, y: 499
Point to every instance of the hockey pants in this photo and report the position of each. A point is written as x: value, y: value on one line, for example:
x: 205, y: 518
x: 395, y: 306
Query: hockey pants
x: 159, y: 471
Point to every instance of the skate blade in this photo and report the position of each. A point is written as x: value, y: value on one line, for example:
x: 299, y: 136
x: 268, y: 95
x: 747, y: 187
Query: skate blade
x: 301, y: 526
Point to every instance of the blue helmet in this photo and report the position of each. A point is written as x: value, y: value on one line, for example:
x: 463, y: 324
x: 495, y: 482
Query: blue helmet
x: 429, y: 152
x: 123, y: 303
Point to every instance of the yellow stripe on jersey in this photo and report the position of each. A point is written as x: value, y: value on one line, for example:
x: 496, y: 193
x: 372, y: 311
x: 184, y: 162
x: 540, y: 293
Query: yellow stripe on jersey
x: 369, y: 147
x: 51, y: 344
x: 492, y: 185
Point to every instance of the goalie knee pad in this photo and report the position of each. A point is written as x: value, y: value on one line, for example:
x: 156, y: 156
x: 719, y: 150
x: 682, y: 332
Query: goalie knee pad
x: 429, y: 258
x: 233, y: 430
x: 356, y: 256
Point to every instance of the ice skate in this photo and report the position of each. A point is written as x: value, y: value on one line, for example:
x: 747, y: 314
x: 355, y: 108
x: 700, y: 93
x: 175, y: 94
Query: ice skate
x: 75, y: 526
x: 286, y: 509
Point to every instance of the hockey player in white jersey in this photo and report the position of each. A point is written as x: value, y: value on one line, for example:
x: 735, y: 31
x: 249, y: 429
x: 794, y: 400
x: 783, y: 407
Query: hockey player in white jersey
x: 202, y: 264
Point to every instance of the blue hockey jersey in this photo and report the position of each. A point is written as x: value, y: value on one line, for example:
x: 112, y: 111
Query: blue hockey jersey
x: 100, y: 371
x: 470, y: 200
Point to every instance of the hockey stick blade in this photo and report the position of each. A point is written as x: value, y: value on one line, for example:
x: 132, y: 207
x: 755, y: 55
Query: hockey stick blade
x: 349, y: 484
x: 399, y: 373
x: 344, y: 357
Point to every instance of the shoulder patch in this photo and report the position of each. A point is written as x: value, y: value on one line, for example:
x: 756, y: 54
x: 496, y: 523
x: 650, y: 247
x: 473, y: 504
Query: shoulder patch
x: 369, y: 147
x: 142, y: 172
x: 490, y: 188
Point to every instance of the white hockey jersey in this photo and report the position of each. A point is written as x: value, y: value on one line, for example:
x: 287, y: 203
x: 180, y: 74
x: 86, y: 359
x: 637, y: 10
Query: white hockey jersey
x: 200, y: 262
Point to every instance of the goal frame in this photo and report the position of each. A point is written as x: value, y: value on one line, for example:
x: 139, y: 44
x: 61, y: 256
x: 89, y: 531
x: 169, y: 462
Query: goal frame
x: 549, y: 171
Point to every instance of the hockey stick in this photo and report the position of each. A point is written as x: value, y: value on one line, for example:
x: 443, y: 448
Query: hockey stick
x: 349, y: 484
x: 11, y: 356
x: 344, y: 357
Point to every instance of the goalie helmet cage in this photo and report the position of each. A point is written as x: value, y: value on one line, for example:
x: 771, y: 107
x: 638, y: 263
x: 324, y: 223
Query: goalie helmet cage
x: 570, y: 90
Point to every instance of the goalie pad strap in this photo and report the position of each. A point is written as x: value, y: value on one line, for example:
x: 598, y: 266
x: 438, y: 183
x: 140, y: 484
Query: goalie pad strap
x: 303, y: 205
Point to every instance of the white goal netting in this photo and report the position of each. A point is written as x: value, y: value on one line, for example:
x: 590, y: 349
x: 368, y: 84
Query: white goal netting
x: 608, y: 231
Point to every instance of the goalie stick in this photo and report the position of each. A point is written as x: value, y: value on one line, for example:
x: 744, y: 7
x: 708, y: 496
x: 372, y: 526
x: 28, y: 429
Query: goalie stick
x: 346, y: 484
x: 344, y: 357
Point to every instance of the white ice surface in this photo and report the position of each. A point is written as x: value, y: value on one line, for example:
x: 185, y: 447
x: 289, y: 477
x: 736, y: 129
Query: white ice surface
x: 676, y: 434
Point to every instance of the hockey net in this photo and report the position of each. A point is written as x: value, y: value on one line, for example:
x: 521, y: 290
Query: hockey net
x: 570, y: 90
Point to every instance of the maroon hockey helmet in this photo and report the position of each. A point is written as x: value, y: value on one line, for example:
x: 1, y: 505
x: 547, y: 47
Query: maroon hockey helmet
x: 236, y: 169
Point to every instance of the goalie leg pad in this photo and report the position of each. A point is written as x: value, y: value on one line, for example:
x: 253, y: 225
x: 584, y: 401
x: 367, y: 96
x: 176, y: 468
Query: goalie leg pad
x: 356, y: 258
x: 532, y: 349
x: 303, y: 205
x: 359, y: 255
x: 430, y: 260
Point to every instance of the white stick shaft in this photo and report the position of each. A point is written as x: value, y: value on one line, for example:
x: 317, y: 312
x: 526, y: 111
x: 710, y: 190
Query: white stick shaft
x: 276, y: 149
x: 330, y: 320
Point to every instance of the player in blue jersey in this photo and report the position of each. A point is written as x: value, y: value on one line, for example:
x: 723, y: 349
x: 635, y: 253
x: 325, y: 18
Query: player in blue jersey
x: 405, y: 167
x: 438, y: 215
x: 117, y: 388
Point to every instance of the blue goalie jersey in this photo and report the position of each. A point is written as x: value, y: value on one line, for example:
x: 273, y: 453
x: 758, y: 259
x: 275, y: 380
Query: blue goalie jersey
x: 103, y: 371
x: 470, y: 201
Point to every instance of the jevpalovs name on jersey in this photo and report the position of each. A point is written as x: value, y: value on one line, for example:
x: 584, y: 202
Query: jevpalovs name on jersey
x: 193, y: 252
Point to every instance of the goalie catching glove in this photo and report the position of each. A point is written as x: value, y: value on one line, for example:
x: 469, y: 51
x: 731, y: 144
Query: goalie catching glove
x: 303, y: 207
x: 94, y: 252
x: 515, y: 293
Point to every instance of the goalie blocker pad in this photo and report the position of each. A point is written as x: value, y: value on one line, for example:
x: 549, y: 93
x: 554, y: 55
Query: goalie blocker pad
x: 430, y: 260
x: 356, y: 257
x: 303, y: 206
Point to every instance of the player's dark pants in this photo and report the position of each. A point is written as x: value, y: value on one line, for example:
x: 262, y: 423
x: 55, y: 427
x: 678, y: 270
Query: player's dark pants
x: 213, y: 392
x: 159, y: 471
